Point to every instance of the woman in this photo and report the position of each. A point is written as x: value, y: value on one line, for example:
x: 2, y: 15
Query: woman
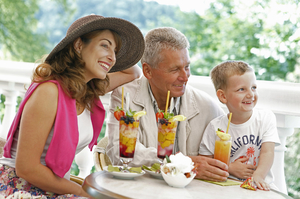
x: 61, y: 112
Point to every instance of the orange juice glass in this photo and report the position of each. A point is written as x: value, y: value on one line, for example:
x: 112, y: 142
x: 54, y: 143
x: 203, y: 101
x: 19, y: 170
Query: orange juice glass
x: 222, y: 150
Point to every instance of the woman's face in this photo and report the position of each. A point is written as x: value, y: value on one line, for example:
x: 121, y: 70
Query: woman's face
x: 99, y: 55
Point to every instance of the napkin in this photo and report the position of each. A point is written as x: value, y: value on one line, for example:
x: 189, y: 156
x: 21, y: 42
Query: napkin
x: 226, y: 183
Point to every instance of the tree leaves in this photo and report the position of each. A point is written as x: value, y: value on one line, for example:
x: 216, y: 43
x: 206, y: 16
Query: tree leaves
x: 19, y: 39
x: 241, y: 30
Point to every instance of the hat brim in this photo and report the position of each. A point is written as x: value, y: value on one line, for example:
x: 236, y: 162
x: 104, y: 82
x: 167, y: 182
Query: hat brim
x: 133, y: 44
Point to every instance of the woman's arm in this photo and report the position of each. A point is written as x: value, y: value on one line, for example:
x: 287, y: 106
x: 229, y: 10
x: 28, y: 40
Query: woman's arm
x: 264, y: 165
x: 36, y: 122
x: 119, y: 78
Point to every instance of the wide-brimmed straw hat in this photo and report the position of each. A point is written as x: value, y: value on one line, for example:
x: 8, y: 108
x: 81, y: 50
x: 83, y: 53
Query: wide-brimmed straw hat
x: 133, y: 43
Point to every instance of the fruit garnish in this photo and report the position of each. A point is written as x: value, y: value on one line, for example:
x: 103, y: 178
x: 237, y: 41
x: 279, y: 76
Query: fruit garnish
x: 168, y: 159
x: 155, y: 168
x: 146, y: 168
x: 159, y: 115
x: 119, y: 113
x: 135, y: 170
x: 130, y: 113
x: 220, y: 130
x: 111, y: 168
x: 139, y: 114
x: 168, y: 115
x: 177, y: 118
x: 223, y: 136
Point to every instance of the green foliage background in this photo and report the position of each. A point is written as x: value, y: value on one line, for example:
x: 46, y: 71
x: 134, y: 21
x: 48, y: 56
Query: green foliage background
x: 228, y: 29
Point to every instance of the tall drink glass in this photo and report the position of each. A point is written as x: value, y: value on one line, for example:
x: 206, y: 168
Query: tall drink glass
x: 128, y: 134
x: 222, y: 149
x: 166, y: 137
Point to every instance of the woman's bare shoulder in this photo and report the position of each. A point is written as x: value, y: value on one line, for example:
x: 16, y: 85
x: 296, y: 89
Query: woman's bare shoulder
x: 47, y: 89
x: 45, y: 93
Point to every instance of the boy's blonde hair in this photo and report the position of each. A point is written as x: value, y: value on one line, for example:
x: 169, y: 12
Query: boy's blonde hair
x: 220, y: 73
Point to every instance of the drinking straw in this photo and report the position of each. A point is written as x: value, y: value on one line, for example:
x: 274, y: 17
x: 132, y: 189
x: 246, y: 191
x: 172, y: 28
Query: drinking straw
x: 167, y: 104
x: 228, y: 122
x: 171, y: 105
x: 123, y: 98
x: 127, y: 101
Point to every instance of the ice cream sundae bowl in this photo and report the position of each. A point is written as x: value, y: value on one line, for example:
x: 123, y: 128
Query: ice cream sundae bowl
x: 178, y: 170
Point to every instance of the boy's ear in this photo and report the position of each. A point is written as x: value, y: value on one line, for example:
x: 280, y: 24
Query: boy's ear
x: 221, y: 95
x: 147, y: 70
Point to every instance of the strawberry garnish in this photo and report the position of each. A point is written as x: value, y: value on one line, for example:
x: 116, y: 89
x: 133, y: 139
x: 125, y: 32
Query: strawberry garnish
x: 159, y: 115
x: 119, y: 113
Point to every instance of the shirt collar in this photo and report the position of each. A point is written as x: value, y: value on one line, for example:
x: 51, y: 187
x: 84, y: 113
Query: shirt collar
x: 155, y: 105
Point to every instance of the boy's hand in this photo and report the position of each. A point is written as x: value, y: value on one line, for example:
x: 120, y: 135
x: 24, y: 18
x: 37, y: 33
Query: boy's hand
x: 260, y: 182
x: 241, y: 170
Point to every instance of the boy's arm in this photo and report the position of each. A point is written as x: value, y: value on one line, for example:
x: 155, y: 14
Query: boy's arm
x: 264, y: 165
x: 239, y: 169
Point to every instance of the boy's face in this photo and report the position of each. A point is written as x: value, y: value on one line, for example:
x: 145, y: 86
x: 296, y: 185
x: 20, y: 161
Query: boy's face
x: 241, y: 96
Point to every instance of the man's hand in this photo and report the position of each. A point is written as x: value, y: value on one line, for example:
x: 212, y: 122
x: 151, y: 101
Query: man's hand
x: 241, y: 170
x: 210, y: 169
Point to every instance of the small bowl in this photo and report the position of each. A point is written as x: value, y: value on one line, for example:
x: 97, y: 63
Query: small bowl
x: 178, y: 181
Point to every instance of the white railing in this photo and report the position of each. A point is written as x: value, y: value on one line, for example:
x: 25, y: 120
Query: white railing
x: 282, y: 98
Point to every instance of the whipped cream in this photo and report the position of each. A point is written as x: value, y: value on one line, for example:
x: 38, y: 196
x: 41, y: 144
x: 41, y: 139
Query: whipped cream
x: 180, y: 164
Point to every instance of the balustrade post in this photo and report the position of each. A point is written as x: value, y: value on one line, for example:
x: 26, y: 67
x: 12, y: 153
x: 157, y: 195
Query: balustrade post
x: 85, y: 162
x: 286, y: 125
x: 10, y: 110
x: 278, y: 163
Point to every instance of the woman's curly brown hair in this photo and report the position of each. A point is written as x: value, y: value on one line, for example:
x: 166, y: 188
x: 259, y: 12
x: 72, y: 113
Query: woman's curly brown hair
x: 68, y: 68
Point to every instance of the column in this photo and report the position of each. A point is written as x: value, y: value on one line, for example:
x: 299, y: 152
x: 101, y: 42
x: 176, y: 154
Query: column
x: 286, y: 125
x: 85, y: 162
x: 10, y: 111
x: 278, y: 164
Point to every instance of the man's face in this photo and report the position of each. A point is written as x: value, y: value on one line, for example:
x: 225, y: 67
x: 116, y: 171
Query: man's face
x: 171, y: 74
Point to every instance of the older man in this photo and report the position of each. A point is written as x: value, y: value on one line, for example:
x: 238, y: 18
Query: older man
x: 166, y: 67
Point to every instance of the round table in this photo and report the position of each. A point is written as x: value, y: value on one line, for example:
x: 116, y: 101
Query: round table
x: 104, y: 185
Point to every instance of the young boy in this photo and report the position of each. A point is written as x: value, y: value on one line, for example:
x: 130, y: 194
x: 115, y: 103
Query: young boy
x: 254, y: 133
